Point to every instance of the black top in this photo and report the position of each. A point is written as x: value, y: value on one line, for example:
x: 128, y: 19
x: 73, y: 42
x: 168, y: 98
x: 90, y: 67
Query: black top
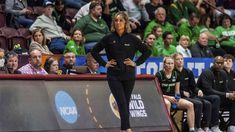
x: 168, y: 85
x: 151, y: 10
x: 120, y: 48
x: 213, y: 82
x: 231, y: 80
x: 187, y: 82
x: 200, y: 51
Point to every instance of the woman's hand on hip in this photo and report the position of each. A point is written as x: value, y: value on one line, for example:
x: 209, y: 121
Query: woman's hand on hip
x: 129, y: 62
x: 111, y: 63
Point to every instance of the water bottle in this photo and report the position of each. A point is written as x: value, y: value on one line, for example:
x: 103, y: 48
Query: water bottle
x: 174, y: 105
x: 217, y: 45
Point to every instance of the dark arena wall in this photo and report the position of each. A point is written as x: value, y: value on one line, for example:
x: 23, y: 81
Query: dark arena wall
x: 76, y: 103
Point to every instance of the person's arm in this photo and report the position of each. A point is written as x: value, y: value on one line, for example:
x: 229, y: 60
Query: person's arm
x: 207, y: 79
x: 96, y: 50
x: 9, y: 4
x: 146, y: 52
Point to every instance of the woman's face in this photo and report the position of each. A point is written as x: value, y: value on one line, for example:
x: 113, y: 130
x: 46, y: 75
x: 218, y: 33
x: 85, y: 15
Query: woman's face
x: 226, y: 23
x: 169, y: 64
x: 184, y: 43
x: 59, y: 7
x: 150, y: 40
x: 77, y: 36
x: 38, y: 37
x: 158, y: 32
x: 54, y: 67
x: 119, y: 23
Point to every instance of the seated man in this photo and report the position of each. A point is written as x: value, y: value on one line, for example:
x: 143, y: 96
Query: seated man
x: 11, y: 63
x: 69, y: 67
x: 214, y: 81
x: 34, y: 65
x: 51, y: 29
x: 92, y: 64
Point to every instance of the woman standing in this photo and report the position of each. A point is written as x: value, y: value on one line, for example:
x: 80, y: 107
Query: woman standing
x: 120, y: 47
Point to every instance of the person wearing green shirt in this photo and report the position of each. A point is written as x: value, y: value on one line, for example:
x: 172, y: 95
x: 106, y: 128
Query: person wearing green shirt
x: 190, y: 28
x: 226, y: 34
x: 160, y: 20
x: 92, y: 25
x: 168, y: 48
x: 75, y: 45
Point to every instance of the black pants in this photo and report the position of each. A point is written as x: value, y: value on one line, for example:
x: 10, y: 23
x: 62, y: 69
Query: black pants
x: 201, y: 106
x: 231, y: 105
x: 215, y: 103
x: 121, y: 90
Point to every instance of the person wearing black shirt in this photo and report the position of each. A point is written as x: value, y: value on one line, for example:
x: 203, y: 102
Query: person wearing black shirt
x: 228, y: 65
x: 169, y: 81
x: 190, y: 92
x: 120, y: 46
x: 213, y: 81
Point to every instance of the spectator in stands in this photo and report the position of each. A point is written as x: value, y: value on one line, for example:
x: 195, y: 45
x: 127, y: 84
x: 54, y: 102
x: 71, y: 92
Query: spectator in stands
x: 160, y: 19
x: 178, y: 11
x: 93, y: 26
x: 190, y: 28
x: 183, y: 46
x: 11, y: 63
x: 190, y: 92
x: 157, y: 31
x: 52, y: 31
x: 39, y: 42
x: 228, y: 68
x: 69, y: 67
x: 111, y: 7
x: 214, y: 81
x: 168, y: 48
x: 170, y: 84
x: 150, y: 42
x: 152, y: 6
x: 226, y: 34
x: 76, y: 44
x: 84, y: 10
x: 59, y: 13
x: 77, y: 4
x: 18, y: 11
x: 2, y: 61
x: 137, y: 13
x: 52, y: 66
x: 120, y: 47
x: 92, y: 64
x: 34, y: 65
x: 201, y: 49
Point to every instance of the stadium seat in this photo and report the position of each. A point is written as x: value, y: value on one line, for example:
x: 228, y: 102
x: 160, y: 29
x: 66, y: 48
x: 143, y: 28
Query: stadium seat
x: 38, y: 10
x: 2, y: 19
x: 3, y: 42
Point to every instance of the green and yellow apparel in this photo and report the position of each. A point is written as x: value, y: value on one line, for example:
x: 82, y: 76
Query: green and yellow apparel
x: 75, y: 48
x: 168, y: 51
x: 177, y: 11
x: 211, y: 30
x: 221, y: 31
x: 165, y: 27
x: 187, y: 30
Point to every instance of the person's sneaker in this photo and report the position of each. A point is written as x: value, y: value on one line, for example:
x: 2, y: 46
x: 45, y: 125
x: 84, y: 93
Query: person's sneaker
x: 231, y: 129
x: 215, y: 129
x: 199, y: 130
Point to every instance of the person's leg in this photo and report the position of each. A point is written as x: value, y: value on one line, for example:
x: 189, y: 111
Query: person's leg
x: 197, y: 109
x: 57, y: 45
x: 117, y: 90
x: 215, y: 102
x: 184, y: 104
x: 22, y: 20
x: 89, y: 46
x: 206, y: 113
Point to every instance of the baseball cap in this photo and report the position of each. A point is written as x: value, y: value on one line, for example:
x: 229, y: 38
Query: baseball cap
x: 47, y: 3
